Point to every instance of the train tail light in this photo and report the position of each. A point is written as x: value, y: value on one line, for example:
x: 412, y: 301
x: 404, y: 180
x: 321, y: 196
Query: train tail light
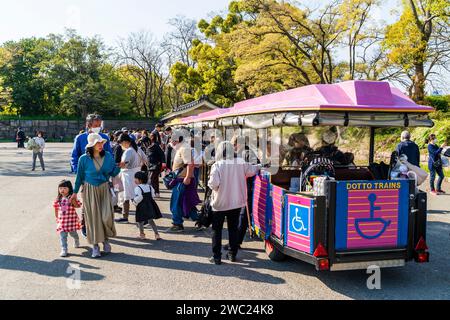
x: 320, y: 252
x: 422, y: 255
x: 323, y: 263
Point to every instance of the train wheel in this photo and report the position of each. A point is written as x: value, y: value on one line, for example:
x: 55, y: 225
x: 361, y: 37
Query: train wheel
x: 273, y: 253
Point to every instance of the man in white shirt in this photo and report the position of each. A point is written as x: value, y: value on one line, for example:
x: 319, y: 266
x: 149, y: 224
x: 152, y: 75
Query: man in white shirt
x: 228, y: 182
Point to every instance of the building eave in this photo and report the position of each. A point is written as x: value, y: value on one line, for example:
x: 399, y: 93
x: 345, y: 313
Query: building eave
x: 179, y: 111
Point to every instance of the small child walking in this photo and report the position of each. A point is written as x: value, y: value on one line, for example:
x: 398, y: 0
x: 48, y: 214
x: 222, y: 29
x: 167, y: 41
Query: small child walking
x: 147, y: 209
x: 67, y: 219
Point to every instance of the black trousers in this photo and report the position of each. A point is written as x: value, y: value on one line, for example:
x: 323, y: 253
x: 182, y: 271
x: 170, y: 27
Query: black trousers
x: 243, y: 225
x: 154, y: 179
x: 218, y: 219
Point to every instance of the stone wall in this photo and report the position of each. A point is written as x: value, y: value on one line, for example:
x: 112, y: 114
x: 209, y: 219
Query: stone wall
x: 55, y: 129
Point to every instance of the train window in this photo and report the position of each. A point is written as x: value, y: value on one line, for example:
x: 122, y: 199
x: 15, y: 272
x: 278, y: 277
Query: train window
x: 344, y: 145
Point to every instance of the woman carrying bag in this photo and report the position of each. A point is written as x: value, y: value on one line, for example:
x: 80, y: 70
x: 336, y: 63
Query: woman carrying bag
x: 435, y: 165
x: 95, y: 168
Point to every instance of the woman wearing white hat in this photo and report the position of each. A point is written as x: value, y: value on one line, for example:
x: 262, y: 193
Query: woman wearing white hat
x: 95, y: 168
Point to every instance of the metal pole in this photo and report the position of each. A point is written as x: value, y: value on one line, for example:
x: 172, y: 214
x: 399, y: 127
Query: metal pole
x: 372, y: 145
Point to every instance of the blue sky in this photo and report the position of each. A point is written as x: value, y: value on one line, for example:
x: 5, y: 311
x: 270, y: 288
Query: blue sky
x: 109, y: 18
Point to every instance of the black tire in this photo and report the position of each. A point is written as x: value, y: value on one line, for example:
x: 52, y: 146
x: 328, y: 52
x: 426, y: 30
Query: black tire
x: 273, y: 253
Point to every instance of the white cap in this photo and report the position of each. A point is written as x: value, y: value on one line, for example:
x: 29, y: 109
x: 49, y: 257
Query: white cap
x: 93, y: 139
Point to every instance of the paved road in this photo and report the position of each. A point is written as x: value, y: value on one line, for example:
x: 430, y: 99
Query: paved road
x: 178, y: 267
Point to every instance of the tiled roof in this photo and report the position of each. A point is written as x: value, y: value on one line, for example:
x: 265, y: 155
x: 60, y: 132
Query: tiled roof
x: 193, y: 104
x: 180, y: 110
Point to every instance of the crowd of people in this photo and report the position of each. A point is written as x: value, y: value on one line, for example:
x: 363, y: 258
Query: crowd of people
x: 118, y: 169
x: 115, y: 170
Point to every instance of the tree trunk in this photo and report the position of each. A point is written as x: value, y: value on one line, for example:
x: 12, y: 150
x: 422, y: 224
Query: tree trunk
x: 419, y: 83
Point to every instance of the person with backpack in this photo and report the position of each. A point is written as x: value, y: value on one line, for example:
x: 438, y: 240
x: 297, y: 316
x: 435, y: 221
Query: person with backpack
x: 155, y: 159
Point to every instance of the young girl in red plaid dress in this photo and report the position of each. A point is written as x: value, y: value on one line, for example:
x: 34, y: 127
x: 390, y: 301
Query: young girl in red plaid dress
x: 67, y: 219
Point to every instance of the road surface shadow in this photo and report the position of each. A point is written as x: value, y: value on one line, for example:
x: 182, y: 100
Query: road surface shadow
x: 246, y: 268
x: 23, y: 169
x: 55, y: 269
x: 189, y: 248
x: 247, y: 273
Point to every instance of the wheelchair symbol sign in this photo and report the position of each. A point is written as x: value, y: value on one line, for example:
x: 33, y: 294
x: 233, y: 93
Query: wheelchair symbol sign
x: 299, y: 220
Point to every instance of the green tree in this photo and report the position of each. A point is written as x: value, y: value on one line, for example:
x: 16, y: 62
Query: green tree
x: 212, y: 68
x: 22, y: 74
x: 264, y: 46
x: 75, y: 71
x: 117, y: 100
x: 419, y: 42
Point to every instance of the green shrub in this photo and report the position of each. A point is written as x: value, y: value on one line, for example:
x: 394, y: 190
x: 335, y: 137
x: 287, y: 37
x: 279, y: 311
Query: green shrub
x: 440, y: 103
x: 161, y: 113
x: 441, y: 129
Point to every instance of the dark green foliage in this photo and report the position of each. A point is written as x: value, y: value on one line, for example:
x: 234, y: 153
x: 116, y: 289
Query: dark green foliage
x: 440, y: 103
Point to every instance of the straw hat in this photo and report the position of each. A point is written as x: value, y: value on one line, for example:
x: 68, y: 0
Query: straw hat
x: 93, y: 139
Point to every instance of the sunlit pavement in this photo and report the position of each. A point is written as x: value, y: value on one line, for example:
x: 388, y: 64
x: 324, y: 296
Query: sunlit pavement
x: 178, y: 267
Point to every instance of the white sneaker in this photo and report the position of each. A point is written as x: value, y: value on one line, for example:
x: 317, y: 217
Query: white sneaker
x: 63, y: 253
x: 107, y: 247
x: 96, y: 252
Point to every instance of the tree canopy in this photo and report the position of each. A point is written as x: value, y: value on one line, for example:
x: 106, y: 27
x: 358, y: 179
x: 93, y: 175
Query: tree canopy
x: 256, y: 47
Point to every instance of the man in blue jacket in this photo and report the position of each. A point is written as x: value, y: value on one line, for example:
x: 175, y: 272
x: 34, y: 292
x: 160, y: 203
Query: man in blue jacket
x: 93, y: 125
x: 409, y: 148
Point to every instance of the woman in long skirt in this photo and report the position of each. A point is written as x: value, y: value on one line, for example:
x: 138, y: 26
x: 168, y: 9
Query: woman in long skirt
x: 133, y: 159
x: 95, y: 168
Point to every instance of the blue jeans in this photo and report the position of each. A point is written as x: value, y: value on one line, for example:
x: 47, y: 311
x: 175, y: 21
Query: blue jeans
x: 440, y: 173
x: 63, y: 238
x: 176, y: 206
x: 177, y: 218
